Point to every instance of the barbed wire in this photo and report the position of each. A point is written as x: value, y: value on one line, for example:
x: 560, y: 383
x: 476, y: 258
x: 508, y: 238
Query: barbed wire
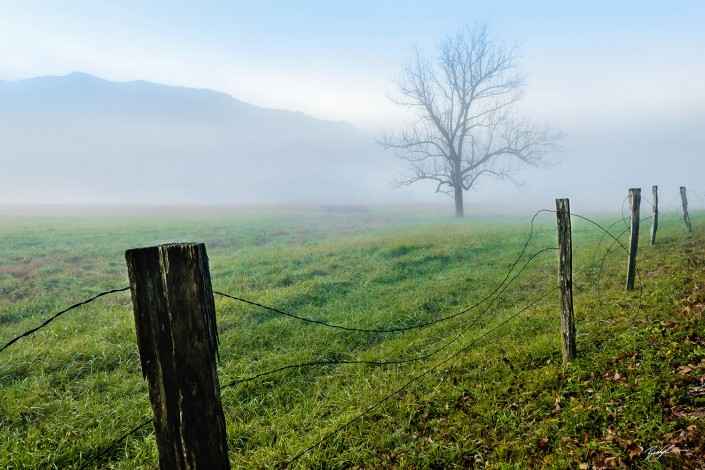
x: 98, y: 456
x: 107, y: 450
x: 695, y: 194
x: 398, y: 361
x: 648, y: 201
x: 672, y: 217
x: 668, y: 207
x: 435, y: 367
x: 640, y: 251
x: 416, y: 378
x: 601, y: 228
x: 405, y: 385
x: 604, y: 234
x: 504, y: 284
x: 633, y: 317
x: 499, y: 290
x: 630, y: 317
x: 57, y: 315
x: 424, y: 356
x: 624, y: 217
x: 399, y: 329
x: 104, y: 452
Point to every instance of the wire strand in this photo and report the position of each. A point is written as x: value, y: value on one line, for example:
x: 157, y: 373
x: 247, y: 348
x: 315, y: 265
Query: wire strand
x: 57, y: 315
x: 414, y: 379
x: 399, y: 361
x: 104, y: 452
x: 407, y: 328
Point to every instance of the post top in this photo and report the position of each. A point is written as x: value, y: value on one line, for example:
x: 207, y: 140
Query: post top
x: 168, y: 247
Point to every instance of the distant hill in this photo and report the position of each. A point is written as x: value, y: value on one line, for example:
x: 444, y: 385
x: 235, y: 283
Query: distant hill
x: 79, y: 138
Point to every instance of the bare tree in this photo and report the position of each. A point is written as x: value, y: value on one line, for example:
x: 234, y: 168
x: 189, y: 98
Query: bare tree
x: 464, y: 124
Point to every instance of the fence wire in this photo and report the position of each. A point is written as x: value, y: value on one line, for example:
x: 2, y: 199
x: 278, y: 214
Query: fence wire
x: 57, y: 315
x: 496, y: 294
x: 412, y: 327
x: 102, y: 454
x: 421, y: 357
x: 416, y: 378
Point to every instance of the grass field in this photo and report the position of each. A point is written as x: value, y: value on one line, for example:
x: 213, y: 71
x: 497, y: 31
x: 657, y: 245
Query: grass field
x: 485, y: 388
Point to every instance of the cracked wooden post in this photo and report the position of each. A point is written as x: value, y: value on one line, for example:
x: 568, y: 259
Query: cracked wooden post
x: 565, y: 279
x: 634, y: 204
x: 174, y: 312
x: 686, y: 218
x: 654, y: 226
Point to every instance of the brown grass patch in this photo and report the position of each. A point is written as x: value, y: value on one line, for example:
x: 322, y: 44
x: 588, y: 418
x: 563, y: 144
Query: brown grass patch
x: 22, y: 271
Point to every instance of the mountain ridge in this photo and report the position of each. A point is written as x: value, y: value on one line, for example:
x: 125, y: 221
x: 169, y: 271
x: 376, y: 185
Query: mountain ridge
x: 137, y: 142
x: 90, y: 82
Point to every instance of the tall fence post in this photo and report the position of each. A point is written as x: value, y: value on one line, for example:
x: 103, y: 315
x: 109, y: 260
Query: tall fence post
x: 686, y: 218
x: 565, y: 279
x: 634, y: 203
x: 654, y: 226
x: 174, y: 312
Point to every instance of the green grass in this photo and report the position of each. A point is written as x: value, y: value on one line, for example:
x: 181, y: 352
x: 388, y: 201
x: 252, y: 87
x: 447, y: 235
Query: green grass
x: 490, y: 394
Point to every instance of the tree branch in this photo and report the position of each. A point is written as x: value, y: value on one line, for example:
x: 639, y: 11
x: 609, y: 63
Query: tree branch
x: 464, y: 127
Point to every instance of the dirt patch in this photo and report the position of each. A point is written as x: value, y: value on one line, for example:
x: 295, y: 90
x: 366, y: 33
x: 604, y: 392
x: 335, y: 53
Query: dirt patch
x: 22, y: 271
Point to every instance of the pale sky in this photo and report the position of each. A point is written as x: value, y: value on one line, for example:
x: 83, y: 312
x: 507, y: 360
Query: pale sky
x: 625, y: 80
x: 586, y: 61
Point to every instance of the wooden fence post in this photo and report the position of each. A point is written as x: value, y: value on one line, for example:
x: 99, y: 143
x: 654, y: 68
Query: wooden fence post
x: 565, y: 279
x: 654, y: 226
x: 686, y: 218
x: 174, y: 312
x: 634, y: 203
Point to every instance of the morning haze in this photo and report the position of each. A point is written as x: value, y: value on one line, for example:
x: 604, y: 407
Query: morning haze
x: 116, y: 106
x: 228, y: 241
x: 283, y: 102
x: 80, y: 138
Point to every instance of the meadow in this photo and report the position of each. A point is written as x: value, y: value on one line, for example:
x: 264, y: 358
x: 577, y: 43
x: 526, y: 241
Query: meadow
x: 482, y: 385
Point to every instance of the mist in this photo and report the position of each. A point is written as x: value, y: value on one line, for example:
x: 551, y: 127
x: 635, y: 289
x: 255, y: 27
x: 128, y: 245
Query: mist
x: 79, y: 139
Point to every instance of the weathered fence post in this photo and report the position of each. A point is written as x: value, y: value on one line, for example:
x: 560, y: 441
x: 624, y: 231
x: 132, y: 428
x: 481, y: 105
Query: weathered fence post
x: 565, y: 279
x: 634, y: 203
x: 174, y: 312
x: 654, y: 226
x: 686, y: 218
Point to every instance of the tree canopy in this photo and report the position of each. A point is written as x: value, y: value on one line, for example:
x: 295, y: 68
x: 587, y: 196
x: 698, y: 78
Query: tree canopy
x: 464, y: 124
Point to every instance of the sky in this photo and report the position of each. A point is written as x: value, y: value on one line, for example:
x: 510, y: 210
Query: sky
x: 594, y: 68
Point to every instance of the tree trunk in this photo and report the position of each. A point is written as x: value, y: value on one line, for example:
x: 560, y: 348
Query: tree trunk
x: 459, y: 212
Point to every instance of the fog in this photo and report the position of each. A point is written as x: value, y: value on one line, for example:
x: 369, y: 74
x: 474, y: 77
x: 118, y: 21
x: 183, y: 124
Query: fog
x: 281, y: 102
x: 79, y: 139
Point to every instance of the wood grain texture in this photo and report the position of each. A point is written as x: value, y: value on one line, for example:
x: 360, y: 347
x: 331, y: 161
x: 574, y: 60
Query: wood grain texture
x: 565, y: 279
x: 174, y: 314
